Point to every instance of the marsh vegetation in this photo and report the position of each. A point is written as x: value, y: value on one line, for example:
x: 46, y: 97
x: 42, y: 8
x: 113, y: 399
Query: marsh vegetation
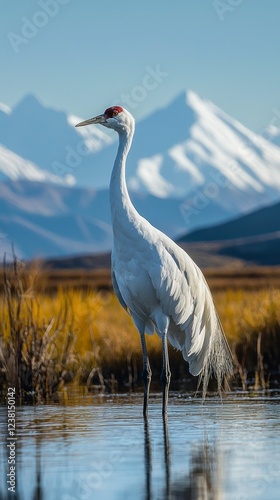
x: 65, y: 334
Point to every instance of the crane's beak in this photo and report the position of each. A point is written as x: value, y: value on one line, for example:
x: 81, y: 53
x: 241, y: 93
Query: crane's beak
x: 96, y: 119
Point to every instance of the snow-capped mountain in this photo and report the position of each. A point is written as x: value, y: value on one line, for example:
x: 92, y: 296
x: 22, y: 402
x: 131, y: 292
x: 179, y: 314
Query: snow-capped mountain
x: 192, y: 143
x: 49, y: 141
x: 190, y: 165
x: 15, y: 167
x: 193, y: 149
x: 176, y: 150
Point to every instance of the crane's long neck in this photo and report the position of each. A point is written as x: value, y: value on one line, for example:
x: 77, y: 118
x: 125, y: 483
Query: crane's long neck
x: 122, y: 209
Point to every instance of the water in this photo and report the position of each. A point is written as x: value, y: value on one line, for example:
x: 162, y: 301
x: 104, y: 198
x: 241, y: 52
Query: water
x: 99, y: 447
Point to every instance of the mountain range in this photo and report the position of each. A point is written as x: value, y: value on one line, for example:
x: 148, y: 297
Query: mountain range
x: 191, y: 165
x: 252, y: 239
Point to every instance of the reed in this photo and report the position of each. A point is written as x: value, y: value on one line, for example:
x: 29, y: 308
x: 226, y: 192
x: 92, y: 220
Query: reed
x: 36, y: 345
x: 251, y: 319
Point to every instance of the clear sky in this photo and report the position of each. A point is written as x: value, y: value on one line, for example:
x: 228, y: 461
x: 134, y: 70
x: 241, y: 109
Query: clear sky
x: 84, y: 55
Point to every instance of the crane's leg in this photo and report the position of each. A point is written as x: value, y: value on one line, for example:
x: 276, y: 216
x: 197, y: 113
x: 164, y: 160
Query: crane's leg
x: 146, y: 374
x: 165, y: 374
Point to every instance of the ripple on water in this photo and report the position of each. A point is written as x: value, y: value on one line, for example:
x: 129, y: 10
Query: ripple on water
x: 100, y: 447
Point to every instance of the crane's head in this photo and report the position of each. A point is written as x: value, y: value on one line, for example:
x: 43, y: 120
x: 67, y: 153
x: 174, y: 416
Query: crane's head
x: 114, y: 117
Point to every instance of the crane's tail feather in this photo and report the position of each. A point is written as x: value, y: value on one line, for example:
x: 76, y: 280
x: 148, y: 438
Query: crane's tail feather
x: 218, y: 360
x: 210, y: 355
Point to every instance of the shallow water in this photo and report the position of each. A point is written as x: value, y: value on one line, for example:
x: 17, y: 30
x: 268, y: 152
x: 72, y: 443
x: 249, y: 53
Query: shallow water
x: 99, y: 447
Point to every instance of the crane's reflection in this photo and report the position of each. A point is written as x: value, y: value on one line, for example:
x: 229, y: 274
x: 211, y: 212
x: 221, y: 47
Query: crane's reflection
x: 166, y: 456
x: 148, y: 462
x: 198, y: 483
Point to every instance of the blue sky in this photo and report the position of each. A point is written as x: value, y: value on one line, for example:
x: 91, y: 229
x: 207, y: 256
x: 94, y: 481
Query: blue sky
x: 86, y: 54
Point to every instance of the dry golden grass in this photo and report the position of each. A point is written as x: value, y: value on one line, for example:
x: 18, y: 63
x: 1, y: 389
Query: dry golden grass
x: 251, y: 319
x: 80, y: 335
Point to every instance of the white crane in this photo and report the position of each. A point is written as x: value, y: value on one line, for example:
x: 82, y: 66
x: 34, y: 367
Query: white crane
x: 157, y: 282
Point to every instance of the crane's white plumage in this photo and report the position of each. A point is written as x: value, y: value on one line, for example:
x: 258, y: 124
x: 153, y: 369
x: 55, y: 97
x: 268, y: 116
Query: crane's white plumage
x: 157, y: 282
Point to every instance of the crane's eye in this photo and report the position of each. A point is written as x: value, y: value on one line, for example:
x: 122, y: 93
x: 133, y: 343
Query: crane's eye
x: 115, y: 113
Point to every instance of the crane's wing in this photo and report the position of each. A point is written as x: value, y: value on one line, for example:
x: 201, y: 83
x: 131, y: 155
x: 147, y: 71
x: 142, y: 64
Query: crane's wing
x: 185, y: 297
x: 136, y: 315
x: 117, y: 292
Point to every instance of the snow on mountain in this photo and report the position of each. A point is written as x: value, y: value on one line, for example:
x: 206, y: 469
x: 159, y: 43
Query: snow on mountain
x: 272, y: 133
x: 93, y: 137
x: 5, y: 108
x: 15, y: 167
x: 212, y: 153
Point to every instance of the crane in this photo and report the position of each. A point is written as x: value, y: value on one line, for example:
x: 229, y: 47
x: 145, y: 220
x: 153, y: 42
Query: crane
x: 157, y: 282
